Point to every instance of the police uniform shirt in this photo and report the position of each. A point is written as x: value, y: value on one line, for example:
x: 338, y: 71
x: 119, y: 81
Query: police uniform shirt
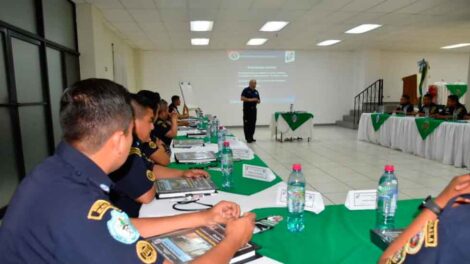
x: 408, y: 107
x: 444, y: 240
x: 172, y: 107
x: 61, y: 213
x: 250, y: 93
x: 161, y: 128
x: 460, y: 109
x: 133, y: 179
x: 432, y: 109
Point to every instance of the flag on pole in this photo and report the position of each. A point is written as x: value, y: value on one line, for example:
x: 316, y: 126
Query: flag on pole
x: 423, y: 70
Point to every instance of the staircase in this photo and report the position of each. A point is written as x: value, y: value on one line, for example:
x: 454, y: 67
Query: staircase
x: 366, y: 101
x: 348, y: 120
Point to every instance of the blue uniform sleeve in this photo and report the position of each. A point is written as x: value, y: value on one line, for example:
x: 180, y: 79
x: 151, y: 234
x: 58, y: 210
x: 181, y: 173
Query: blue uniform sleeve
x: 148, y: 148
x: 245, y: 93
x: 134, y: 178
x: 102, y: 234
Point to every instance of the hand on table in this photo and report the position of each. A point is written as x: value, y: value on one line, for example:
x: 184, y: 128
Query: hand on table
x: 458, y: 186
x: 195, y: 173
x: 223, y: 212
x: 239, y: 231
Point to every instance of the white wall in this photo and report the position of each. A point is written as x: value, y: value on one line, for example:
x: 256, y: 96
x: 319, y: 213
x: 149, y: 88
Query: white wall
x: 450, y: 67
x: 323, y: 82
x: 94, y: 41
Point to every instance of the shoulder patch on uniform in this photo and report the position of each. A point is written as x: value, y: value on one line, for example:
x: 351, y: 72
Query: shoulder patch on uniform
x: 121, y: 229
x: 152, y: 145
x: 416, y: 242
x: 135, y: 151
x: 399, y: 257
x: 151, y: 176
x: 146, y: 252
x: 431, y: 234
x: 98, y: 209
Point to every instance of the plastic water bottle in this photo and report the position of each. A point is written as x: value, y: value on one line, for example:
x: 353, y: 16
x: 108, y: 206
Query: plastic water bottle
x: 215, y: 127
x: 221, y: 139
x: 387, y: 197
x: 226, y: 166
x: 296, y: 199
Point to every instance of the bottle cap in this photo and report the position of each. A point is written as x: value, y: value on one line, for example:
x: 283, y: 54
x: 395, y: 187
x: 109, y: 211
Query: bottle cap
x: 221, y: 127
x: 226, y: 144
x: 389, y: 168
x: 297, y: 167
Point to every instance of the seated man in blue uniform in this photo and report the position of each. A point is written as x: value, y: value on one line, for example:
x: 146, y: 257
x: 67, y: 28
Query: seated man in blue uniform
x: 454, y: 109
x: 166, y: 126
x: 134, y: 181
x: 428, y: 106
x: 155, y: 149
x: 61, y: 211
x: 405, y: 106
x: 440, y: 233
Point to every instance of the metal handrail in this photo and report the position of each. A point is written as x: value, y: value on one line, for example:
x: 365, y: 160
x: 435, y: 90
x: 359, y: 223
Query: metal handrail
x: 372, y: 97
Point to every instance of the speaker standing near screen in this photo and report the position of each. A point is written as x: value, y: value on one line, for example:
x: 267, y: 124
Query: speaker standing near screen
x: 250, y: 98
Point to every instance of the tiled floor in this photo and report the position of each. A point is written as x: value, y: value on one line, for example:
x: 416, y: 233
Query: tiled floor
x: 335, y: 162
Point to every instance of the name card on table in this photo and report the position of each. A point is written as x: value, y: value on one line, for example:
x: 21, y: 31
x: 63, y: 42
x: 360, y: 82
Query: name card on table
x: 313, y: 200
x: 361, y: 200
x: 258, y: 173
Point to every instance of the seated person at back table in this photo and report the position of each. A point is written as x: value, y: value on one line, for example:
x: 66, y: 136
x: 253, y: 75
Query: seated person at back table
x: 166, y: 126
x: 405, y: 106
x: 440, y: 233
x: 61, y: 212
x: 154, y: 149
x: 428, y: 106
x: 453, y: 109
x: 173, y: 107
x: 134, y: 180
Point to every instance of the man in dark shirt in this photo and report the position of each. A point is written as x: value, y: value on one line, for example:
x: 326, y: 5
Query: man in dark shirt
x: 173, y: 107
x: 61, y: 211
x: 166, y: 126
x: 405, y: 106
x: 250, y: 98
x: 428, y: 108
x: 454, y: 109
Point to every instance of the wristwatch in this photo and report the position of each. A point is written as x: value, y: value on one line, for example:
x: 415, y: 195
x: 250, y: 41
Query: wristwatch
x: 429, y: 204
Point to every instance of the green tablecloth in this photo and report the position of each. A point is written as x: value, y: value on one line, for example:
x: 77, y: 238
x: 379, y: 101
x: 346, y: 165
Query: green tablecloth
x: 295, y: 119
x: 378, y: 120
x: 336, y: 235
x: 457, y: 89
x: 242, y: 185
x: 427, y: 125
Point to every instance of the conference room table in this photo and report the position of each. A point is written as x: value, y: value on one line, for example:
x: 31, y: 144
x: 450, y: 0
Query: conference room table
x: 335, y: 235
x: 292, y: 125
x: 444, y: 141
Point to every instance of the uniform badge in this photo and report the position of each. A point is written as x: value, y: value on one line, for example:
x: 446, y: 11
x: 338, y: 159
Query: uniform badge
x: 399, y: 257
x: 294, y: 118
x: 121, y: 229
x: 152, y: 145
x: 431, y: 234
x: 416, y: 242
x: 99, y: 209
x: 136, y: 151
x: 146, y: 252
x: 150, y: 175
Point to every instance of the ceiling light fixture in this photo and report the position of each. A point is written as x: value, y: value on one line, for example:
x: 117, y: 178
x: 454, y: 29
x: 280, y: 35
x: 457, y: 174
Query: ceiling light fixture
x: 199, y: 41
x: 256, y: 41
x: 328, y: 42
x: 200, y: 25
x: 363, y: 28
x: 460, y: 45
x: 272, y: 26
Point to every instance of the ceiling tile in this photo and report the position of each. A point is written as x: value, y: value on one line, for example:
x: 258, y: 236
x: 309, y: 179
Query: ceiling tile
x: 204, y: 4
x: 138, y: 4
x: 171, y: 3
x: 268, y: 3
x: 203, y: 14
x: 174, y: 14
x: 117, y: 15
x: 106, y: 4
x: 145, y: 15
x: 238, y: 4
x: 361, y: 5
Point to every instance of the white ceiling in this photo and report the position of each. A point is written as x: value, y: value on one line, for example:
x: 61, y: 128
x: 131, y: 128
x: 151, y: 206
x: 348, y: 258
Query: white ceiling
x: 408, y: 25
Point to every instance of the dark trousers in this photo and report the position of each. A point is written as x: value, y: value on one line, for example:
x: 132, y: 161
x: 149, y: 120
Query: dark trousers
x: 249, y: 122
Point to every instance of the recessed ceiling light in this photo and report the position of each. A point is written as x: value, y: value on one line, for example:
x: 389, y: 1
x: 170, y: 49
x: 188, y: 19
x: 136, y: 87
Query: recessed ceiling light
x: 202, y: 25
x: 328, y: 42
x: 199, y: 41
x: 256, y: 41
x: 271, y: 26
x: 363, y: 28
x: 460, y: 45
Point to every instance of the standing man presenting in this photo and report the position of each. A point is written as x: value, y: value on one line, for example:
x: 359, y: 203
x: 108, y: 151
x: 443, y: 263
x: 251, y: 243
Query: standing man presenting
x: 250, y: 98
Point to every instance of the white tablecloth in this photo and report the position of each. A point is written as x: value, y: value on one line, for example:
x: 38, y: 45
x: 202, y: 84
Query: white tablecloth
x: 449, y: 143
x: 281, y: 126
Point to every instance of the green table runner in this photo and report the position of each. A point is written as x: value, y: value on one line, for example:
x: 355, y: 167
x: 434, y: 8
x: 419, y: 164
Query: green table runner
x: 242, y: 185
x: 295, y: 119
x: 457, y: 89
x: 336, y: 235
x: 427, y: 125
x: 378, y: 120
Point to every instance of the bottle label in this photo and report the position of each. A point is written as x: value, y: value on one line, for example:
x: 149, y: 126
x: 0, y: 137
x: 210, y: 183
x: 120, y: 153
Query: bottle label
x: 296, y: 199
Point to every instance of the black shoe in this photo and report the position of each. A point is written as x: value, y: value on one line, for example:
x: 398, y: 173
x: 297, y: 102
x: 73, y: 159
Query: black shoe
x: 253, y: 140
x: 249, y: 141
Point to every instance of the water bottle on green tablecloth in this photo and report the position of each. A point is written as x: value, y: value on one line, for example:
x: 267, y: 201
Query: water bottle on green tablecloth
x: 387, y: 197
x: 226, y: 166
x: 296, y: 199
x: 220, y: 140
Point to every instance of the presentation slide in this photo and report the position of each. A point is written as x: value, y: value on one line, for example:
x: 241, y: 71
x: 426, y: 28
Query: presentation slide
x: 273, y: 70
